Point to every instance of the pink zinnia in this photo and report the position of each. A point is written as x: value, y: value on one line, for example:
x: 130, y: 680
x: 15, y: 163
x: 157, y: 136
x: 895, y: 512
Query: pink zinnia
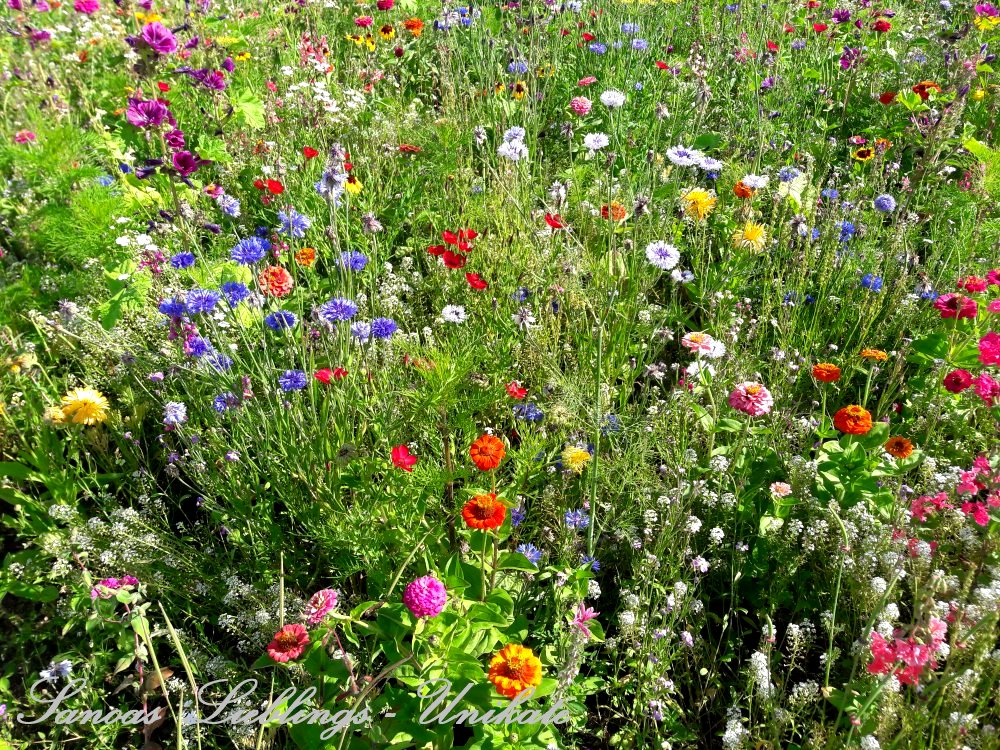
x: 987, y: 388
x: 586, y: 81
x: 24, y: 136
x: 956, y: 306
x: 288, y: 643
x: 320, y: 605
x: 580, y: 105
x: 994, y: 306
x: 751, y: 398
x: 364, y: 21
x: 703, y: 344
x: 425, y: 597
x: 993, y: 277
x: 86, y: 7
x: 989, y: 349
x: 384, y: 4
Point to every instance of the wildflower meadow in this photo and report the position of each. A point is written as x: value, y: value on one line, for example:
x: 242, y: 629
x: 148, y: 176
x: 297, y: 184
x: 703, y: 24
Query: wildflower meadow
x: 550, y: 374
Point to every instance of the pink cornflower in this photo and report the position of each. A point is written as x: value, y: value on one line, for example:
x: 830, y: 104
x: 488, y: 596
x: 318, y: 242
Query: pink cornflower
x: 320, y: 605
x: 989, y: 349
x: 581, y: 617
x: 751, y: 398
x: 580, y: 105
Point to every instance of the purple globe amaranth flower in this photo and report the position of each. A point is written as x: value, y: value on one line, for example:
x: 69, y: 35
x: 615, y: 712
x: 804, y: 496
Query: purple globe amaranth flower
x: 425, y: 597
x: 159, y: 38
x: 187, y: 163
x: 148, y: 113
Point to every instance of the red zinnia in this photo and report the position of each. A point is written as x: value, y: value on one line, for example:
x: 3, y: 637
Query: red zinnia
x: 288, y: 643
x: 275, y: 281
x: 402, y: 458
x: 887, y: 98
x: 476, y: 282
x: 881, y: 25
x: 484, y: 512
x: 957, y: 381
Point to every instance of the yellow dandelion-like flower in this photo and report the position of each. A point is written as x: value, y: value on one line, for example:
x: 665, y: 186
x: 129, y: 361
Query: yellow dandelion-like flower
x: 54, y: 415
x: 242, y: 57
x: 698, y: 203
x: 979, y: 94
x: 85, y: 406
x: 874, y: 354
x: 752, y: 236
x: 353, y: 185
x: 575, y: 459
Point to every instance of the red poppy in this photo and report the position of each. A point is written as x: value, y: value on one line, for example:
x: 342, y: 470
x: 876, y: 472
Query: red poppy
x: 476, y: 282
x: 310, y: 153
x: 402, y: 458
x: 515, y: 390
x: 454, y: 260
x: 789, y: 29
x: 588, y: 37
x: 259, y: 184
x: 819, y: 28
x: 163, y: 87
x: 555, y: 221
x: 450, y: 237
x: 771, y: 46
x: 887, y: 98
x: 339, y: 373
x: 467, y: 234
x: 564, y: 32
x: 435, y: 249
x: 661, y: 65
x: 324, y: 376
x: 274, y: 187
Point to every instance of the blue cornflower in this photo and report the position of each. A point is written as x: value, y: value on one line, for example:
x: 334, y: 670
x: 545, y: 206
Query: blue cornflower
x: 182, y: 260
x: 517, y: 516
x: 528, y: 413
x: 219, y: 361
x: 515, y: 133
x: 292, y: 380
x: 593, y: 562
x: 630, y: 28
x: 598, y: 49
x: 638, y: 86
x: 202, y: 300
x: 530, y: 551
x: 352, y: 260
x: 798, y: 44
x: 787, y: 174
x: 235, y: 292
x: 224, y: 402
x: 281, y: 320
x: 847, y: 230
x: 383, y: 328
x: 229, y: 205
x: 249, y: 251
x: 640, y: 45
x: 174, y: 413
x: 293, y: 223
x: 576, y: 519
x: 815, y: 233
x: 610, y: 424
x: 518, y: 67
x: 336, y: 310
x: 105, y: 180
x: 172, y: 308
x: 830, y: 194
x: 197, y: 346
x: 362, y: 331
x: 521, y: 294
x: 872, y: 282
x: 885, y: 203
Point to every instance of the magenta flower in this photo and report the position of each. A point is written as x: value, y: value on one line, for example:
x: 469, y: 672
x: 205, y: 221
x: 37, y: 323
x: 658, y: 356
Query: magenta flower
x: 581, y: 617
x: 989, y: 349
x: 425, y: 597
x: 159, y: 38
x: 956, y: 306
x: 751, y: 398
x: 147, y: 113
x: 580, y: 105
x: 187, y: 163
x: 320, y: 605
x: 24, y: 136
x: 87, y: 7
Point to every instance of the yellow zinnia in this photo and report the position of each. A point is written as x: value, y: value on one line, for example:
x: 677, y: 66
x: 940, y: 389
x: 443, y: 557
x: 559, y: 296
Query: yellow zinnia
x: 85, y: 406
x: 752, y: 236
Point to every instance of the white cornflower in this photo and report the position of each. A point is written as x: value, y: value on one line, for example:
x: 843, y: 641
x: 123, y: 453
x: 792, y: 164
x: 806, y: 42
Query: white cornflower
x: 595, y: 141
x: 662, y: 255
x: 612, y: 98
x: 454, y: 314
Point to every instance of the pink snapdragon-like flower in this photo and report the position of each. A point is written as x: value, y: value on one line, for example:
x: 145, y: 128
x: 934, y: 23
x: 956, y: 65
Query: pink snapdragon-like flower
x: 581, y: 617
x: 751, y: 398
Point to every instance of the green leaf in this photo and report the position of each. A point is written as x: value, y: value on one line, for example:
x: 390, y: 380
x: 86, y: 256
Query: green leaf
x: 516, y: 561
x: 250, y: 109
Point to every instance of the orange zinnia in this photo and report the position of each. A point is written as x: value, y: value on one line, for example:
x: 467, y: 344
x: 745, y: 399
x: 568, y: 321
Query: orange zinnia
x: 514, y: 669
x: 275, y: 281
x: 825, y: 372
x: 487, y: 452
x: 615, y: 211
x: 742, y: 190
x: 306, y: 256
x: 853, y: 420
x: 899, y: 447
x: 924, y: 89
x: 877, y: 354
x: 414, y: 25
x: 484, y: 512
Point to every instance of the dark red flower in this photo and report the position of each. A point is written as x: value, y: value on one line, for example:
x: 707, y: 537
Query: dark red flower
x: 957, y: 381
x: 887, y: 98
x: 339, y: 373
